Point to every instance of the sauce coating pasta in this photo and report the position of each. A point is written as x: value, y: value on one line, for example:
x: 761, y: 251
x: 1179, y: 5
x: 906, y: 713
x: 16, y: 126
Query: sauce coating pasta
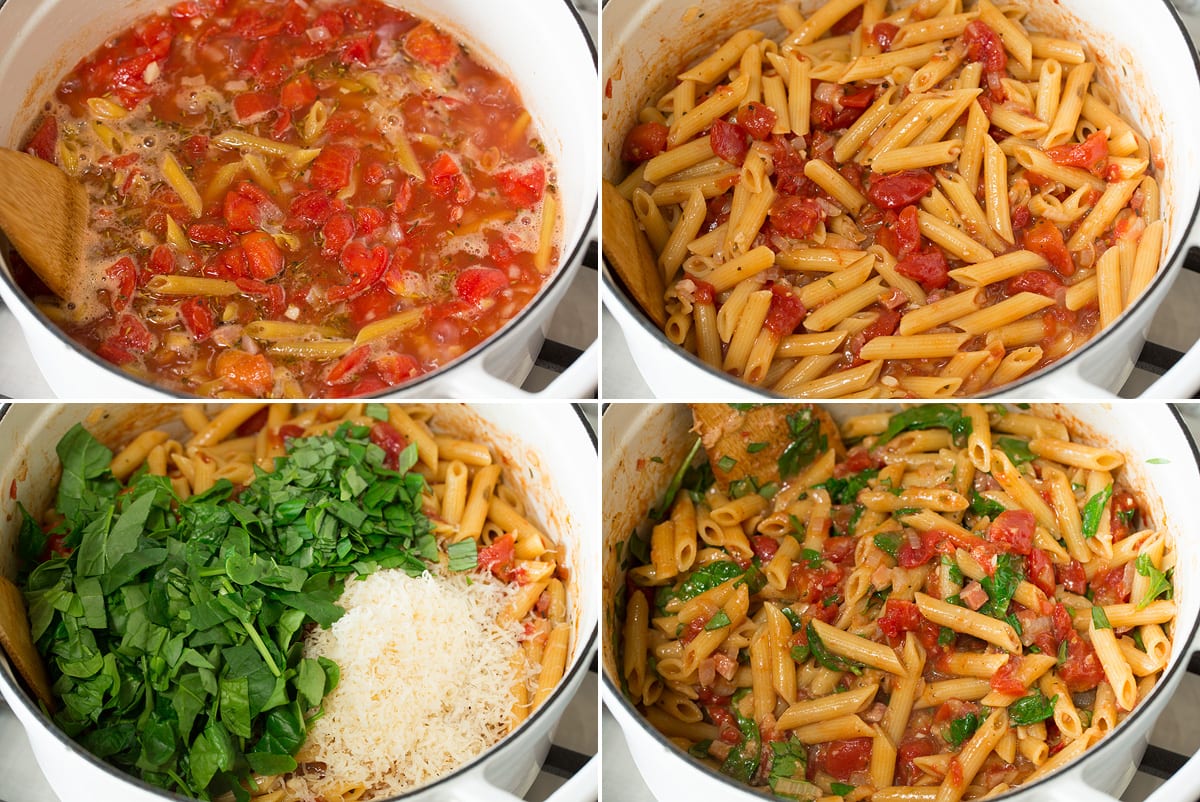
x: 927, y: 604
x: 890, y: 199
x: 297, y: 200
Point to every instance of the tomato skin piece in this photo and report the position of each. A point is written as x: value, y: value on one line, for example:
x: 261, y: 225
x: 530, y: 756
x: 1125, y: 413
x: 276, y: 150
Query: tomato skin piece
x: 1042, y: 282
x: 1046, y: 240
x: 796, y: 217
x: 1082, y: 670
x: 123, y: 273
x: 44, y: 142
x: 884, y: 33
x: 298, y: 92
x: 197, y: 317
x: 1041, y: 571
x: 930, y: 269
x: 389, y: 438
x: 1013, y: 529
x: 900, y: 190
x: 985, y: 45
x: 427, y: 44
x: 756, y: 119
x: 1087, y: 155
x: 477, y: 284
x: 349, y: 366
x: 336, y: 234
x: 331, y: 170
x: 840, y: 759
x: 264, y: 259
x: 247, y: 373
x: 644, y: 142
x: 729, y: 141
x: 898, y: 618
x: 1072, y: 577
x: 366, y: 266
x: 785, y: 313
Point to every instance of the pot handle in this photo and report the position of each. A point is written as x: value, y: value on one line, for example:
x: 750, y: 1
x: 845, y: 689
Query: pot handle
x: 1181, y: 381
x: 576, y: 382
x: 583, y: 787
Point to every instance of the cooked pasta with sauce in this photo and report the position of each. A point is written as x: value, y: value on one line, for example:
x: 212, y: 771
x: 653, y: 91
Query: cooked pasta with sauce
x: 933, y: 604
x: 224, y: 602
x: 296, y: 200
x: 887, y: 199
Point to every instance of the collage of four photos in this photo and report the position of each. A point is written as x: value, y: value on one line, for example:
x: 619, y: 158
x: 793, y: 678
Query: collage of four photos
x: 561, y: 400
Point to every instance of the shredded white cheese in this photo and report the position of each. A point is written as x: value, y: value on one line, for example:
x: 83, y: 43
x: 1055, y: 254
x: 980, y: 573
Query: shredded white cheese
x: 425, y: 683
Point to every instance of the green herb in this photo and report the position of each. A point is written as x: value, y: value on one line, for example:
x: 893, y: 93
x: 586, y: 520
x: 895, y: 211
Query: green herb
x: 657, y: 459
x: 743, y: 407
x: 707, y: 577
x: 742, y: 761
x: 699, y: 750
x: 827, y: 658
x: 812, y: 557
x: 841, y: 789
x: 1024, y: 406
x: 1031, y: 709
x: 743, y: 487
x: 797, y: 527
x: 377, y: 411
x: 953, y: 572
x: 1017, y: 451
x: 793, y: 617
x: 1094, y: 510
x: 928, y: 416
x: 946, y: 636
x: 754, y: 579
x: 1062, y: 652
x: 173, y: 629
x: 889, y: 542
x: 1100, y: 618
x: 801, y: 652
x: 846, y: 489
x: 660, y: 511
x: 769, y: 490
x: 789, y: 761
x: 1001, y: 586
x: 1015, y: 623
x: 806, y: 443
x: 726, y: 463
x: 1137, y: 639
x: 1126, y: 516
x: 956, y: 600
x: 754, y: 448
x: 904, y: 512
x: 832, y: 600
x: 983, y: 506
x: 1160, y: 585
x: 999, y: 410
x: 855, y: 517
x: 463, y: 555
x: 878, y: 597
x: 721, y: 619
x: 1158, y: 461
x: 961, y: 729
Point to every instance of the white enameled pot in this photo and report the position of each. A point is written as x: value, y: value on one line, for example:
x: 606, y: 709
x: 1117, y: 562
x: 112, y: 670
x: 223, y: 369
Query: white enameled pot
x: 1146, y: 57
x: 633, y: 434
x: 541, y: 45
x: 548, y: 451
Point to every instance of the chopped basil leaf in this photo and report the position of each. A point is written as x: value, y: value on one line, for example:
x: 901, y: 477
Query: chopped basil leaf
x: 789, y: 761
x: 904, y: 512
x: 769, y: 490
x: 1017, y: 451
x: 983, y: 506
x: 1094, y: 510
x: 1100, y: 618
x: 1031, y: 709
x: 742, y: 761
x: 708, y: 577
x: 812, y: 557
x: 855, y: 516
x: 743, y: 487
x: 376, y: 411
x: 953, y: 572
x: 1158, y: 461
x: 659, y: 460
x: 743, y: 407
x: 699, y: 749
x: 946, y: 636
x: 827, y: 658
x: 754, y: 448
x: 463, y: 555
x: 792, y: 617
x: 1001, y: 586
x: 726, y: 463
x: 721, y: 619
x: 846, y: 489
x: 832, y: 600
x: 841, y: 789
x: 801, y: 652
x: 659, y: 512
x: 888, y: 542
x: 1159, y: 584
x: 928, y: 416
x: 806, y: 443
x: 962, y: 729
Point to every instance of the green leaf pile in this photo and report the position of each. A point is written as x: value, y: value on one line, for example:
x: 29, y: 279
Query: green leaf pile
x: 173, y: 631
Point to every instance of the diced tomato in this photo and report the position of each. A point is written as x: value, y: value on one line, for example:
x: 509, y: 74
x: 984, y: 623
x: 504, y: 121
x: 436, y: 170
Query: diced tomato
x: 162, y: 260
x: 367, y: 219
x: 986, y: 46
x: 1006, y: 680
x: 1046, y: 240
x: 1042, y: 282
x: 757, y: 119
x: 1021, y: 216
x: 197, y: 317
x: 357, y: 50
x: 365, y: 266
x: 427, y: 44
x: 898, y: 617
x: 900, y: 233
x: 349, y: 366
x: 1013, y: 529
x: 1087, y: 155
x: 1041, y: 571
x: 1123, y: 513
x: 796, y: 217
x: 273, y: 295
x: 195, y: 148
x: 1082, y: 670
x: 247, y: 373
x: 500, y: 251
x: 209, y: 234
x: 785, y: 312
x: 704, y: 293
x: 930, y: 269
x: 522, y: 189
x: 403, y: 197
x: 389, y: 438
x: 857, y: 459
x: 840, y: 759
x: 729, y: 141
x: 860, y: 100
x: 250, y: 107
x: 825, y: 117
x: 911, y: 748
x: 374, y: 304
x: 764, y: 547
x: 901, y: 189
x: 122, y: 274
x: 884, y: 33
x: 1072, y: 577
x: 498, y: 557
x: 396, y: 368
x: 336, y: 234
x: 849, y: 22
x: 446, y: 179
x: 1112, y: 587
x: 309, y: 210
x: 913, y: 554
x: 726, y: 725
x: 813, y: 584
x: 331, y: 170
x: 44, y: 142
x: 264, y: 259
x: 477, y: 284
x: 298, y: 93
x: 241, y: 212
x: 644, y: 142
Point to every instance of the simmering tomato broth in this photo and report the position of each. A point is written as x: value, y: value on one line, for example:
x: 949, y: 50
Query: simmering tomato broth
x: 297, y: 199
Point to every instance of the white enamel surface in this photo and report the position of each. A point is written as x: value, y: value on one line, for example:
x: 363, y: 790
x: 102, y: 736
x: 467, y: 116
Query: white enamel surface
x: 547, y: 452
x: 539, y: 44
x: 1150, y: 65
x: 634, y: 433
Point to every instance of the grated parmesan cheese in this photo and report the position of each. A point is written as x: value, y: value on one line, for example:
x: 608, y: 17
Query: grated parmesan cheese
x: 425, y: 678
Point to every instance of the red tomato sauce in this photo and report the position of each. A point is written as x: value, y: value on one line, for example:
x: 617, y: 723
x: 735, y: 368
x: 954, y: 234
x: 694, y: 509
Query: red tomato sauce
x: 392, y: 173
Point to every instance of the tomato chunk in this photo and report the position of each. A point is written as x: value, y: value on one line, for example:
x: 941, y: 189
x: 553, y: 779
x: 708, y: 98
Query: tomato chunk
x: 1042, y: 282
x: 331, y: 170
x: 197, y: 317
x: 250, y: 107
x: 729, y: 141
x: 263, y: 257
x: 522, y: 189
x: 796, y: 217
x: 478, y: 284
x: 1086, y: 155
x: 840, y: 759
x: 757, y: 119
x: 1082, y: 670
x: 898, y: 618
x: 427, y: 44
x: 884, y: 33
x: 900, y: 190
x: 1013, y: 529
x: 785, y: 312
x: 644, y: 142
x: 389, y: 438
x: 247, y: 373
x: 498, y: 557
x: 1046, y: 240
x: 930, y: 269
x: 298, y: 93
x: 44, y: 142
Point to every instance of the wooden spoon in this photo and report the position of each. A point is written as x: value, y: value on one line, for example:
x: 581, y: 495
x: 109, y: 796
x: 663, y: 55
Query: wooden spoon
x: 17, y: 640
x: 44, y: 212
x: 630, y: 255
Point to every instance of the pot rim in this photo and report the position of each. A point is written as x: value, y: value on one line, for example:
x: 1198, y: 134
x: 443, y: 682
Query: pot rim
x: 16, y: 690
x: 567, y: 268
x: 1173, y: 266
x: 613, y: 692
